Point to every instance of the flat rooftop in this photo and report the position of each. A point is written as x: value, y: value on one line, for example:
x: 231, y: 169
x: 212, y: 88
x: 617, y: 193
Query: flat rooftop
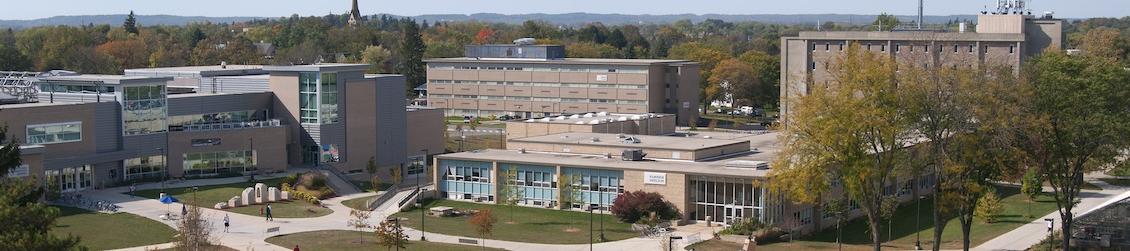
x: 200, y: 70
x: 909, y: 36
x: 763, y: 151
x: 316, y: 67
x: 107, y: 79
x: 685, y: 143
x: 592, y: 118
x: 577, y: 61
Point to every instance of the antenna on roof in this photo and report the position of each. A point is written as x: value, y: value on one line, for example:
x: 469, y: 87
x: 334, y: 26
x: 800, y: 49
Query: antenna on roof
x: 920, y: 4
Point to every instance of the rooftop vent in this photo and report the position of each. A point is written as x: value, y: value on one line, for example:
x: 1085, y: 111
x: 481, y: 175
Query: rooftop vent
x: 525, y: 41
x: 749, y: 164
x: 632, y: 155
x: 631, y: 140
x: 595, y: 139
x: 521, y: 150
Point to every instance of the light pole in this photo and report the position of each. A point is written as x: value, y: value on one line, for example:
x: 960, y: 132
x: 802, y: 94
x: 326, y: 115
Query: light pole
x: 165, y: 168
x: 671, y: 242
x: 590, y: 226
x: 1051, y: 237
x: 423, y: 211
x: 918, y: 222
x: 601, y: 195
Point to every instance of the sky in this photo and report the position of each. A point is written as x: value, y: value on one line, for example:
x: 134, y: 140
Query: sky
x: 32, y: 9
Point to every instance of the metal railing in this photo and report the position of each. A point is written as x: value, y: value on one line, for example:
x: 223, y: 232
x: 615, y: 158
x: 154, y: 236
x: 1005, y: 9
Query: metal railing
x: 230, y: 125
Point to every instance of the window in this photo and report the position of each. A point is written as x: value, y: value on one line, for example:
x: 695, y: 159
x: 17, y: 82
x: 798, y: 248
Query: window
x: 827, y: 46
x: 882, y: 47
x: 328, y: 86
x: 308, y: 97
x: 144, y: 167
x: 955, y: 48
x: 898, y: 48
x: 212, y: 163
x: 1011, y: 49
x: 841, y: 46
x: 813, y: 46
x: 971, y: 48
x: 813, y: 65
x: 926, y: 48
x: 54, y: 133
x: 143, y: 110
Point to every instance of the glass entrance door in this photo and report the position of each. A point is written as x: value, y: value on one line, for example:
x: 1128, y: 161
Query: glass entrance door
x: 733, y: 214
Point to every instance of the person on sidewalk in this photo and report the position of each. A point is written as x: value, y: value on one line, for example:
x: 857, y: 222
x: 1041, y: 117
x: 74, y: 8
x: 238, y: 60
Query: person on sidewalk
x: 269, y: 216
x: 132, y: 190
x: 296, y: 248
x: 183, y: 210
x: 227, y: 223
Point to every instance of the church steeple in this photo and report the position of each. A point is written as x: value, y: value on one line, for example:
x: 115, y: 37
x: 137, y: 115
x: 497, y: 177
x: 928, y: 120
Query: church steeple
x: 354, y: 15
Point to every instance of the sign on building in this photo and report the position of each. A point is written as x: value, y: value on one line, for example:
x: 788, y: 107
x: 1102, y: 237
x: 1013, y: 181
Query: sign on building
x: 602, y: 78
x: 655, y: 178
x: 19, y: 171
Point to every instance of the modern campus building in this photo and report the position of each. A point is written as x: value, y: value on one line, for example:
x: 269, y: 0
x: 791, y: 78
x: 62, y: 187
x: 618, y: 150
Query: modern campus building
x: 86, y: 131
x: 526, y: 80
x: 709, y: 176
x: 1005, y: 38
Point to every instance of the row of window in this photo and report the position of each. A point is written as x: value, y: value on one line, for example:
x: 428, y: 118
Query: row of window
x: 144, y: 110
x: 75, y: 88
x: 543, y: 99
x: 537, y: 84
x: 538, y: 69
x: 218, y: 162
x: 219, y: 117
x: 898, y: 47
x: 54, y: 133
x: 467, y: 173
x: 144, y: 167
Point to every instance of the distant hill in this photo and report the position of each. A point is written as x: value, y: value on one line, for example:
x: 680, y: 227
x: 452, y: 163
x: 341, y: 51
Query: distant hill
x: 118, y: 19
x: 567, y: 19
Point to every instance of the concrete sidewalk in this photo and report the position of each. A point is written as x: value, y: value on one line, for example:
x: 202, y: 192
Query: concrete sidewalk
x: 1032, y: 233
x: 249, y: 232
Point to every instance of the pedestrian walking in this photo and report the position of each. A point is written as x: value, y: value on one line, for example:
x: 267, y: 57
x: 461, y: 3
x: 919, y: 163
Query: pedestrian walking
x: 296, y: 248
x: 227, y: 223
x: 269, y: 216
x: 183, y: 210
x: 132, y: 189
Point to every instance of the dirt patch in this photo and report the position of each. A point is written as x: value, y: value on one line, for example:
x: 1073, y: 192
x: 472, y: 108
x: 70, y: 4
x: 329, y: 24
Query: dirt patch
x: 510, y: 222
x: 571, y: 230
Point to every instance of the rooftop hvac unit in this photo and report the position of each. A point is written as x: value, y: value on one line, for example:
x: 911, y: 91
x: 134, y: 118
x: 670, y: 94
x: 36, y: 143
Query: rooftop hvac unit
x: 632, y: 155
x: 595, y: 139
x: 631, y: 140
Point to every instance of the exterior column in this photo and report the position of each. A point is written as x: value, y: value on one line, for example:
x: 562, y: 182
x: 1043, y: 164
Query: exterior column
x: 494, y: 181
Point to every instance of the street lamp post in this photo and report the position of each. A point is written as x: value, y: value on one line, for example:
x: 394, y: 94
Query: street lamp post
x: 590, y: 227
x: 918, y: 222
x: 165, y: 168
x: 423, y: 211
x: 601, y: 195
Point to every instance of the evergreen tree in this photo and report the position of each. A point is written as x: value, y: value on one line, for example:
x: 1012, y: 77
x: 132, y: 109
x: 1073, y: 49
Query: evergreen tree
x: 25, y: 219
x: 412, y: 50
x: 131, y: 23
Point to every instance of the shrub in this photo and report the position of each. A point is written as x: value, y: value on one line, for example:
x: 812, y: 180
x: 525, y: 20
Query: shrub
x: 988, y: 207
x: 632, y: 206
x: 743, y: 227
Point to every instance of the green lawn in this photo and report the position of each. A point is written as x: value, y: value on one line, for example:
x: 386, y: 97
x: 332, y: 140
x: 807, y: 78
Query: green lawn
x: 714, y: 245
x: 1013, y: 216
x: 358, y: 203
x: 210, y: 195
x: 529, y: 224
x: 100, y: 231
x: 349, y: 240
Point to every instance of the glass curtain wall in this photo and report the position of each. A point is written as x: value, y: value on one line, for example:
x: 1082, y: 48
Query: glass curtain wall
x: 599, y: 188
x: 54, y: 133
x: 308, y: 97
x: 144, y: 109
x: 538, y: 184
x: 213, y: 163
x: 144, y: 167
x: 328, y: 87
x: 466, y: 180
x: 726, y: 200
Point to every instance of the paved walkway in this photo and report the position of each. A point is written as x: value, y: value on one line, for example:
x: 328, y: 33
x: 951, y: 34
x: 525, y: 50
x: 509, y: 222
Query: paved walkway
x: 249, y: 232
x: 1032, y: 233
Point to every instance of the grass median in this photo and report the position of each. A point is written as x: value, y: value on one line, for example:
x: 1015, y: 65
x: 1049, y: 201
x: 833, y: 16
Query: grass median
x: 208, y: 196
x: 99, y: 231
x: 534, y: 225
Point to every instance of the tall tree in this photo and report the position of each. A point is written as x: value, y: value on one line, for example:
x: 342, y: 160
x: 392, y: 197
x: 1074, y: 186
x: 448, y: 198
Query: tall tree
x: 727, y: 78
x: 886, y: 22
x: 376, y: 57
x: 411, y: 51
x: 130, y: 25
x: 12, y: 60
x: 827, y: 140
x: 765, y: 91
x: 1074, y: 122
x: 26, y: 220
